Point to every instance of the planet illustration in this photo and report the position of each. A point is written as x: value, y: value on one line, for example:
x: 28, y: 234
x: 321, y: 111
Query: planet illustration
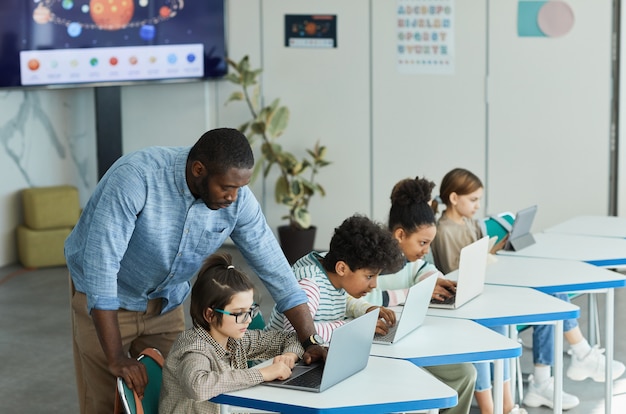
x: 33, y: 64
x: 310, y: 28
x: 41, y: 14
x: 111, y: 14
x: 108, y: 15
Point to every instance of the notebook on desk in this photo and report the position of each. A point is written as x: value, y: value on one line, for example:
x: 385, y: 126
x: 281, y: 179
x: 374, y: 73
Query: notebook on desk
x: 520, y: 235
x: 348, y: 353
x: 470, y: 276
x: 413, y: 312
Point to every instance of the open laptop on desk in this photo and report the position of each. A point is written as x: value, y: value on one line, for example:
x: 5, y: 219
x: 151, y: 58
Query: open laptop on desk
x: 413, y: 312
x: 348, y: 354
x: 520, y: 235
x: 470, y: 277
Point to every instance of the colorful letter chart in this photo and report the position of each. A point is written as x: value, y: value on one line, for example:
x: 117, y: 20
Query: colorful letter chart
x: 425, y: 36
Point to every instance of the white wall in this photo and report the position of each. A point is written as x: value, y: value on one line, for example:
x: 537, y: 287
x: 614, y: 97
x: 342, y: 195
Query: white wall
x: 549, y: 114
x: 427, y: 124
x: 327, y: 91
x: 543, y: 137
x: 164, y: 114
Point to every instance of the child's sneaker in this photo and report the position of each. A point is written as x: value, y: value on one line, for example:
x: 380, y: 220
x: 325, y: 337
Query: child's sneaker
x: 593, y: 365
x: 518, y: 410
x: 543, y: 394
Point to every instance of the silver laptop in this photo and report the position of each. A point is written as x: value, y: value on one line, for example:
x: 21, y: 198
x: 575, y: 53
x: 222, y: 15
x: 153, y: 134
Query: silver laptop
x: 348, y: 353
x: 470, y: 276
x: 520, y: 235
x: 413, y: 312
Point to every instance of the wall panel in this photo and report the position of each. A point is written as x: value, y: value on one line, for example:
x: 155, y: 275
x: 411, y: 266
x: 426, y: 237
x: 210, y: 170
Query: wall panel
x: 427, y: 124
x: 549, y: 112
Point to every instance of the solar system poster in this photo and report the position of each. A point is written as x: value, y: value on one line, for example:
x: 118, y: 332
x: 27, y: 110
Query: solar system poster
x: 311, y: 30
x: 108, y: 26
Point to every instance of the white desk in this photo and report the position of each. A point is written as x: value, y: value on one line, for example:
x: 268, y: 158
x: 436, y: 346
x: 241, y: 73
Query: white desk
x: 441, y: 341
x: 380, y: 388
x: 506, y: 305
x: 598, y: 251
x: 598, y: 226
x: 551, y: 275
x: 563, y: 276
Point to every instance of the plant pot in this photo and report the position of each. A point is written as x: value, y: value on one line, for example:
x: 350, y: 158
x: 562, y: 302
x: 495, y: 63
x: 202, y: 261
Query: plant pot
x: 296, y: 243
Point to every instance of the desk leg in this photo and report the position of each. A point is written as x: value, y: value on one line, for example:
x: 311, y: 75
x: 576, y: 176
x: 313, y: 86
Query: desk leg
x: 610, y: 308
x: 516, y: 375
x: 498, y: 385
x: 558, y: 367
x: 593, y: 305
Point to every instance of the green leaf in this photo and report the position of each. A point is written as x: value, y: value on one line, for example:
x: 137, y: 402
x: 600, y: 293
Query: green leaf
x: 248, y: 78
x: 272, y: 107
x: 243, y: 128
x: 233, y: 78
x: 258, y: 127
x: 244, y: 64
x: 272, y: 151
x: 296, y: 187
x: 256, y: 97
x: 264, y: 114
x: 288, y: 161
x: 278, y: 121
x: 321, y: 190
x: 281, y: 189
x: 309, y: 185
x: 235, y: 96
x: 302, y: 217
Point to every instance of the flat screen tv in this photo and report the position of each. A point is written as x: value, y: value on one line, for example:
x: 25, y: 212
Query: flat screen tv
x: 61, y: 43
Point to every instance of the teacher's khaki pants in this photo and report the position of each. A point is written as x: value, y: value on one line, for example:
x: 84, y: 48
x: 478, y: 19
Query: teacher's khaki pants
x: 139, y: 330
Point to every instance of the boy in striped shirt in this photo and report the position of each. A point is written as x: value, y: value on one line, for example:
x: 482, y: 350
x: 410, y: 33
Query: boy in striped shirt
x: 336, y: 281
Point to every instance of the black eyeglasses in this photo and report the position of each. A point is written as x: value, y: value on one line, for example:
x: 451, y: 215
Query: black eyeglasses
x: 242, y: 317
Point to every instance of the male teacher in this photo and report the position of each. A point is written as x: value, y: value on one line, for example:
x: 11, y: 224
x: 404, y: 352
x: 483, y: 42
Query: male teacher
x: 152, y: 220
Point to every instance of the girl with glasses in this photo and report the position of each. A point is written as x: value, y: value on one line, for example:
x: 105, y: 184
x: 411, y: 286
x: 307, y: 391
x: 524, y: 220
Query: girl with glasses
x: 212, y: 357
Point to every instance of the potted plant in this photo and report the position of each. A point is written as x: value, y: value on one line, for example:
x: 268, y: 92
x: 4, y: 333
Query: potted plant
x: 296, y: 182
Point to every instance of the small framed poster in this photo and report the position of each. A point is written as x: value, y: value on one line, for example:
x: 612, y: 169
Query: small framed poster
x: 311, y: 30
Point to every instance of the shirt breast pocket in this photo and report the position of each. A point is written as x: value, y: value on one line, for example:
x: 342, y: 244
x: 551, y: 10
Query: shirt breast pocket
x: 210, y: 241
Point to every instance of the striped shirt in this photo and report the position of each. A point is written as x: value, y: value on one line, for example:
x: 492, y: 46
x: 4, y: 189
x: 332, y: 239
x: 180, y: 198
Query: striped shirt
x: 198, y: 368
x: 330, y: 307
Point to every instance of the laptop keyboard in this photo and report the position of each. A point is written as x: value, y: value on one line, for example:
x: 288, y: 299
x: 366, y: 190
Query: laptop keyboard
x: 311, y: 379
x: 447, y: 301
x: 388, y: 337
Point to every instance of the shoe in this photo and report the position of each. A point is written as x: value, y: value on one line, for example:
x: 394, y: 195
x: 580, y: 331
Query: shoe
x: 543, y: 394
x: 593, y: 365
x: 518, y: 410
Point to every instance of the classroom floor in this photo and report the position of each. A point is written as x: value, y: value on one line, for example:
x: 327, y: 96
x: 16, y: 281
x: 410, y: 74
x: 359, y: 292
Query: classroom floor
x: 36, y: 354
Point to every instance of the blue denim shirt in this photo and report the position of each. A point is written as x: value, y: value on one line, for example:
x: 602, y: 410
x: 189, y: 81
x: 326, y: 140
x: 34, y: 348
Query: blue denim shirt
x: 143, y: 236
